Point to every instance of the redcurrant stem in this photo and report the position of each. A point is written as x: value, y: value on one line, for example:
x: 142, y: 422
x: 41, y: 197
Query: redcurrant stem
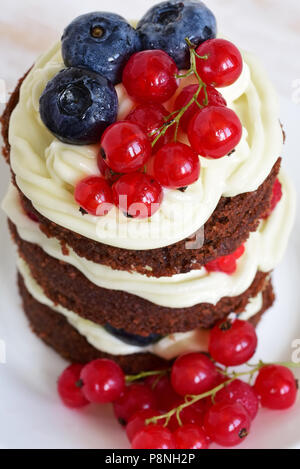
x: 180, y: 112
x: 146, y: 374
x: 190, y: 400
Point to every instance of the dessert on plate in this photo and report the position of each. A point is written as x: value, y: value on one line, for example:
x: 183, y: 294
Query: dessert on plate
x: 147, y: 198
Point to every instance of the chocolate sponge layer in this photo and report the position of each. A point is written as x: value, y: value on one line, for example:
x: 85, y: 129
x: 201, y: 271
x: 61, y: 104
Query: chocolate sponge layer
x: 227, y: 228
x: 65, y: 285
x: 55, y: 331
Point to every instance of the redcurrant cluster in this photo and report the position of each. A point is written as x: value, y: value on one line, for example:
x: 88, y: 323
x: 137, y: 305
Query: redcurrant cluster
x: 195, y: 402
x: 142, y: 154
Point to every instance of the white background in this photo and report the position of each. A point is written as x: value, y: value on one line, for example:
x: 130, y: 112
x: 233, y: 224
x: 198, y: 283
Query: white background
x: 31, y: 415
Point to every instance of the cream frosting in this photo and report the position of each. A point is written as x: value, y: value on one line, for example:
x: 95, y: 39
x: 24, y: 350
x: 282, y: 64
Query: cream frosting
x: 169, y: 347
x: 264, y: 250
x: 47, y: 169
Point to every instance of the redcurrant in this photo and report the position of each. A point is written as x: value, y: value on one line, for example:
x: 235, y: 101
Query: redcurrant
x: 135, y: 397
x: 103, y: 381
x: 193, y: 414
x: 232, y: 343
x: 193, y: 373
x: 125, y: 147
x: 153, y: 437
x: 241, y: 393
x: 225, y: 264
x: 214, y: 131
x: 69, y: 387
x: 162, y: 388
x: 151, y: 118
x: 94, y: 195
x: 276, y: 197
x: 276, y: 387
x: 105, y: 171
x: 190, y: 436
x: 137, y: 422
x: 176, y: 166
x: 137, y: 195
x: 149, y: 76
x: 227, y: 424
x: 239, y: 252
x: 214, y: 99
x: 223, y: 65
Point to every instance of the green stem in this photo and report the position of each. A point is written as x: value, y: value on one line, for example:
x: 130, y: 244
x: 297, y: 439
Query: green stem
x: 146, y: 374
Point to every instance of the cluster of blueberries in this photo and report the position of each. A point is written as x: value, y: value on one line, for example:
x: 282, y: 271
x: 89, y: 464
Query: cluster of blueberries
x: 80, y: 102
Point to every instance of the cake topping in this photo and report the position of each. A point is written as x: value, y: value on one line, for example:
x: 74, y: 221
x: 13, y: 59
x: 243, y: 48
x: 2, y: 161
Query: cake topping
x: 125, y: 148
x: 137, y: 195
x: 150, y: 76
x: 151, y: 118
x: 166, y: 25
x: 77, y: 105
x: 215, y: 131
x: 214, y: 98
x: 224, y: 63
x: 80, y: 105
x: 94, y: 195
x: 175, y: 166
x: 100, y: 41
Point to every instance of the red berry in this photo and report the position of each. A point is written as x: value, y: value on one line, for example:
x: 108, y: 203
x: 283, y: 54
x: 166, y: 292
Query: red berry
x: 276, y: 197
x: 94, y: 195
x: 214, y: 131
x: 214, y: 99
x: 239, y: 252
x: 226, y: 264
x: 193, y: 414
x: 193, y: 373
x: 151, y: 118
x: 162, y: 389
x: 227, y: 424
x: 134, y: 398
x: 105, y: 171
x: 276, y: 387
x: 241, y: 393
x: 190, y: 436
x: 137, y: 195
x: 213, y: 266
x: 232, y: 343
x: 69, y: 387
x: 103, y: 381
x: 276, y: 194
x: 149, y: 76
x: 137, y: 422
x: 125, y: 147
x: 153, y: 437
x: 224, y: 63
x: 176, y: 166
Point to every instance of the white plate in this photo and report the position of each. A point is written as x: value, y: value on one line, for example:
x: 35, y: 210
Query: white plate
x: 31, y: 413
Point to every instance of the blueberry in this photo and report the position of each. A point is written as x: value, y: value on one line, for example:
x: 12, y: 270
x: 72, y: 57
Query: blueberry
x: 133, y: 339
x: 166, y: 25
x: 77, y: 105
x: 102, y: 42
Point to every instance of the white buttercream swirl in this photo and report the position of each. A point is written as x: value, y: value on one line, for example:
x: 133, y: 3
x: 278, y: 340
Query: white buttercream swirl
x: 168, y: 348
x: 264, y: 250
x: 47, y: 169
